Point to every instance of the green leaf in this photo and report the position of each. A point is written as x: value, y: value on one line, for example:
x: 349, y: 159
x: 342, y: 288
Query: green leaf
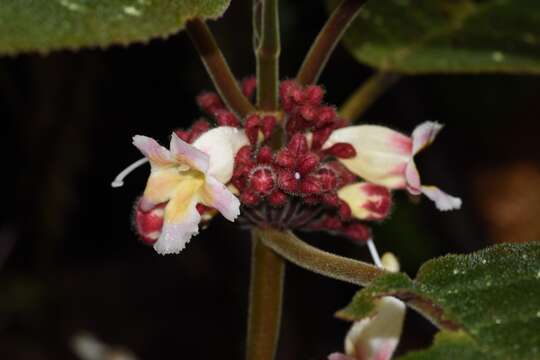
x: 44, y: 25
x: 449, y: 345
x: 448, y: 36
x: 493, y: 296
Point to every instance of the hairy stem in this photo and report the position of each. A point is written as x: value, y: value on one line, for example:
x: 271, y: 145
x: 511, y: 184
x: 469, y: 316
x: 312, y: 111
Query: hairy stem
x: 267, y: 54
x: 327, y: 40
x: 217, y: 67
x: 366, y: 94
x: 266, y: 292
x: 304, y: 255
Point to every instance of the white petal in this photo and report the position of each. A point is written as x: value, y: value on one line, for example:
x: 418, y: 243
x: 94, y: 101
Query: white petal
x: 376, y: 338
x: 157, y: 154
x: 175, y: 236
x: 188, y: 154
x: 218, y: 196
x: 443, y: 201
x: 381, y: 153
x: 221, y: 144
x: 424, y: 134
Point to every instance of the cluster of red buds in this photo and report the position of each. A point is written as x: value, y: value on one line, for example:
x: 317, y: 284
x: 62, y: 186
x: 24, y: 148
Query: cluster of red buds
x: 291, y: 187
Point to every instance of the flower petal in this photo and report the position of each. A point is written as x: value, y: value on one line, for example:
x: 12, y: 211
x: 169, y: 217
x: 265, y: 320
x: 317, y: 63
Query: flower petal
x: 424, y: 134
x: 218, y: 196
x: 160, y: 187
x: 382, y: 153
x: 157, y: 154
x: 181, y: 219
x: 340, y: 356
x: 412, y: 176
x: 376, y: 338
x: 443, y: 201
x: 188, y: 154
x: 367, y: 201
x: 221, y: 145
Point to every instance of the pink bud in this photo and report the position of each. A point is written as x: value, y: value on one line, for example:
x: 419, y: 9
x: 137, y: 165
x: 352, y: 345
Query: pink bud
x: 249, y: 198
x: 320, y: 136
x: 342, y: 150
x: 285, y: 159
x: 358, y: 232
x: 244, y: 156
x: 308, y: 113
x: 310, y: 185
x: 326, y: 116
x: 183, y: 134
x: 198, y: 128
x: 328, y: 178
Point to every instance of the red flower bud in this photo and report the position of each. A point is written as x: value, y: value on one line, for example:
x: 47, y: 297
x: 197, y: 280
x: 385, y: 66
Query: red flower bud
x: 209, y: 102
x: 288, y: 182
x: 267, y: 126
x: 149, y: 223
x: 307, y: 163
x: 285, y: 159
x: 298, y: 145
x: 249, y: 198
x: 226, y: 118
x: 328, y: 178
x: 265, y: 155
x: 252, y: 128
x: 310, y: 185
x: 308, y: 113
x: 249, y: 85
x: 320, y: 136
x: 332, y: 223
x: 277, y: 199
x: 314, y: 94
x: 342, y: 151
x: 262, y: 180
x: 198, y: 128
x: 344, y: 210
x: 183, y: 134
x: 326, y: 116
x: 244, y: 156
x: 358, y: 232
x: 330, y: 199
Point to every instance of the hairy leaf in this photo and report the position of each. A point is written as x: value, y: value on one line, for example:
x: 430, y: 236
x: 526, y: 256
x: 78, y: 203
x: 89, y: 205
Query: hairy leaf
x: 448, y: 36
x: 492, y: 295
x: 44, y: 25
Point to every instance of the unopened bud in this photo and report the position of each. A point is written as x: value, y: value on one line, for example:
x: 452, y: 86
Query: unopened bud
x: 226, y: 118
x: 262, y: 180
x: 149, y: 223
x: 342, y: 150
x: 277, y: 199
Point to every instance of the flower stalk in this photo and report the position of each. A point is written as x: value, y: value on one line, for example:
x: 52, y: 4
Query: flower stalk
x: 265, y: 300
x: 217, y: 67
x: 308, y: 257
x: 366, y: 94
x: 327, y: 40
x: 268, y: 48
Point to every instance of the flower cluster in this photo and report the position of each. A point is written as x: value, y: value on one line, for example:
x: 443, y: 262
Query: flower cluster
x: 300, y: 168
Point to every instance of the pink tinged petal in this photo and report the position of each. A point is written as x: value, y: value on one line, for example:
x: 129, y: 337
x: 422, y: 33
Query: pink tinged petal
x: 412, y: 177
x: 442, y: 200
x: 376, y: 338
x: 367, y: 201
x: 382, y: 153
x: 424, y: 134
x: 188, y: 154
x: 218, y: 196
x: 157, y: 154
x: 221, y: 145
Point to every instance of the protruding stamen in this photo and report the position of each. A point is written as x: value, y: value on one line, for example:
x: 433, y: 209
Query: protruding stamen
x: 119, y: 180
x: 374, y: 253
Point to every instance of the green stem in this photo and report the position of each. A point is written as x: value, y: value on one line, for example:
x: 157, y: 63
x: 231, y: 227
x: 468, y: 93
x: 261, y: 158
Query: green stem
x: 366, y: 94
x: 327, y: 40
x: 266, y: 292
x: 217, y: 67
x: 267, y: 54
x: 304, y: 255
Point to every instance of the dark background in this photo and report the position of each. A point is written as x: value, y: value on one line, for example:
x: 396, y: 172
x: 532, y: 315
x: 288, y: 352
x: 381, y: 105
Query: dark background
x: 70, y: 262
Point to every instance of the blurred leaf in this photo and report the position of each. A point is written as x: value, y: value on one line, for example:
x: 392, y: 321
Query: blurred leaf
x: 449, y: 345
x: 43, y: 25
x: 492, y: 295
x: 448, y: 36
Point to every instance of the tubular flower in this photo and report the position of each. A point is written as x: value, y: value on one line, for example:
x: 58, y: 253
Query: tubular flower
x: 377, y: 337
x: 322, y: 176
x: 183, y: 177
x: 386, y: 157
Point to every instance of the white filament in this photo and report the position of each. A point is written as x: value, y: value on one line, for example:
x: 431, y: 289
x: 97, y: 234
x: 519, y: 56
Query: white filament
x: 119, y: 180
x: 374, y: 253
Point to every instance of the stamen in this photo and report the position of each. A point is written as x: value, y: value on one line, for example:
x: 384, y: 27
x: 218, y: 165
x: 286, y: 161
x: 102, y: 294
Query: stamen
x: 119, y: 180
x: 297, y: 175
x: 374, y: 253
